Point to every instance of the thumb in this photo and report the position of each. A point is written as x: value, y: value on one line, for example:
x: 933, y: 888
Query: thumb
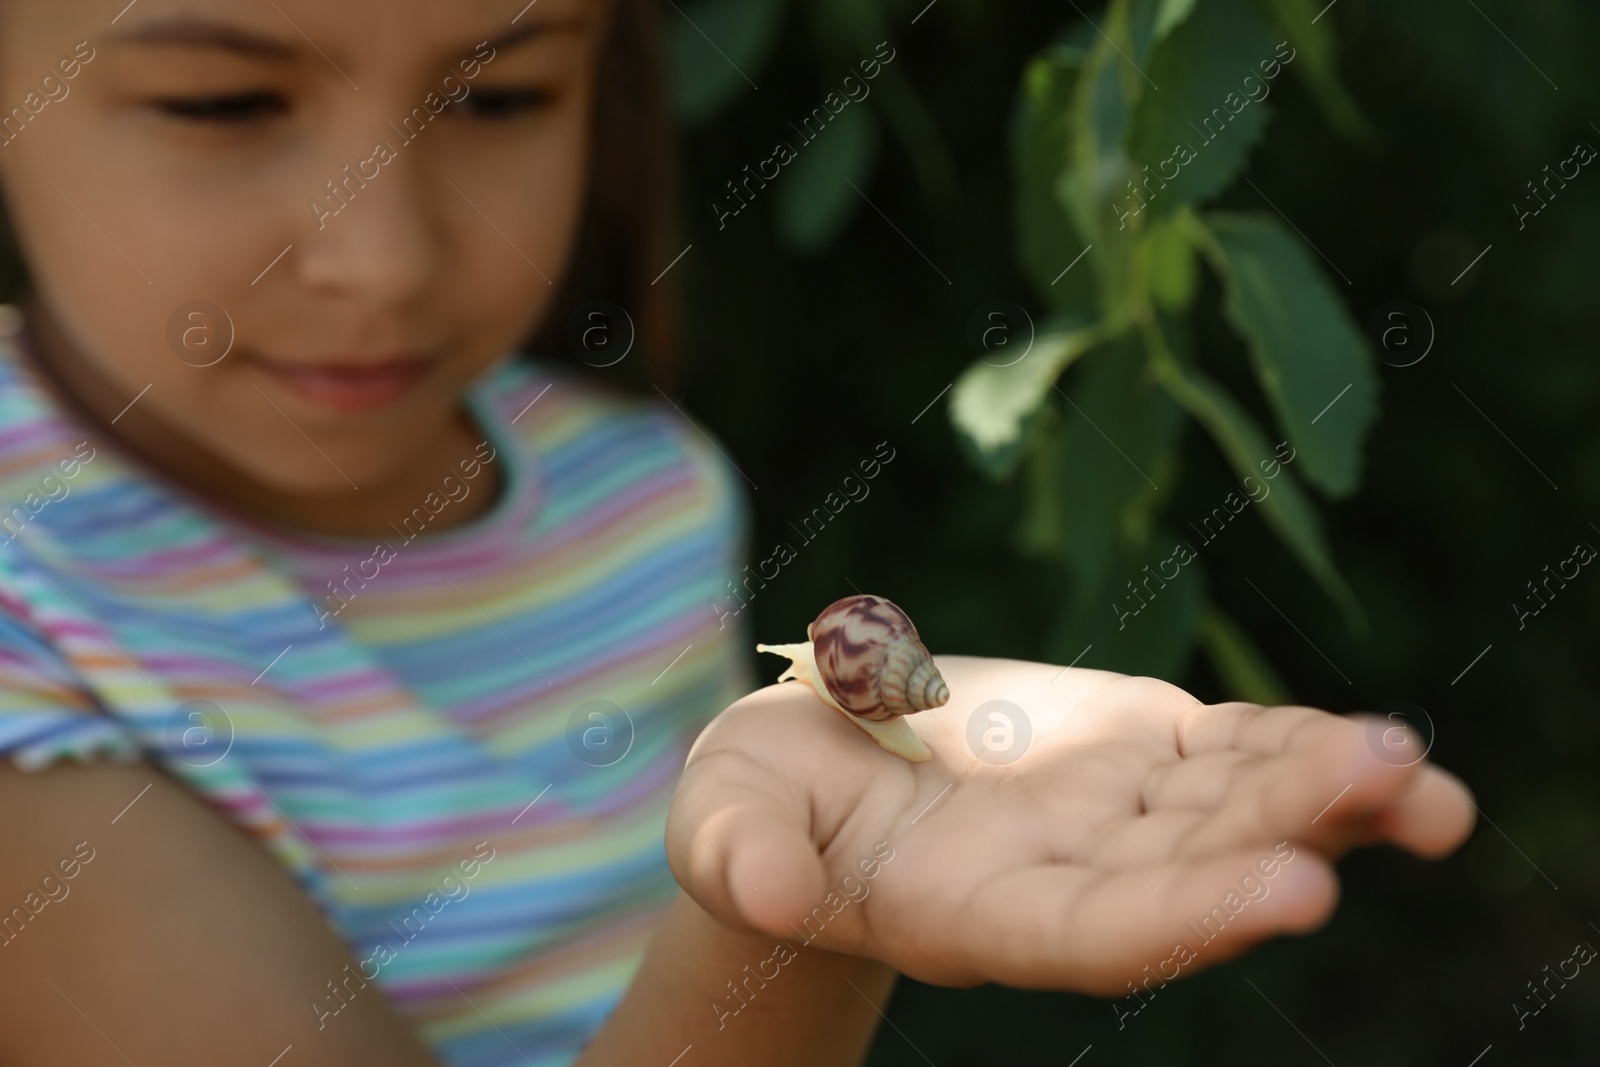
x: 742, y: 853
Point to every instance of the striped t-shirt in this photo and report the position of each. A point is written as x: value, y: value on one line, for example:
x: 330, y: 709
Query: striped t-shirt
x: 461, y: 742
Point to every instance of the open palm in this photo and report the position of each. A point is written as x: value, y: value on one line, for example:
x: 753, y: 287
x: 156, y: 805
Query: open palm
x: 1137, y: 820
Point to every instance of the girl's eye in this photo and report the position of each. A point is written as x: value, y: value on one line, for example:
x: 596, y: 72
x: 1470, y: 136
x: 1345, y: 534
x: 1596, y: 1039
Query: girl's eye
x: 228, y: 109
x: 505, y: 103
x: 240, y: 108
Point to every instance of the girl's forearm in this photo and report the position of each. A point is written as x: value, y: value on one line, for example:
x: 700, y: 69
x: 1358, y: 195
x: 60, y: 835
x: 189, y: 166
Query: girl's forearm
x: 796, y: 1006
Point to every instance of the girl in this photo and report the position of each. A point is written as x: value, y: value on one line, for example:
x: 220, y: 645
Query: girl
x: 350, y: 659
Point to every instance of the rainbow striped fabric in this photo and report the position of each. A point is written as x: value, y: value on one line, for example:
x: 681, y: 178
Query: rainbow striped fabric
x: 461, y: 743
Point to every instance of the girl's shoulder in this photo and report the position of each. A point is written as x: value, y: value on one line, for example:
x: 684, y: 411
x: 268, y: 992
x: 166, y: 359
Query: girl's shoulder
x: 580, y: 426
x: 40, y: 445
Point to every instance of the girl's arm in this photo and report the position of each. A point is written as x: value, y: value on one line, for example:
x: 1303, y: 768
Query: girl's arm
x: 177, y: 941
x: 820, y: 1008
x: 174, y: 939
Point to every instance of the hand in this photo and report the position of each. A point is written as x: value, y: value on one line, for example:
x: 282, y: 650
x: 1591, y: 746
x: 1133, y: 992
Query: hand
x: 1134, y: 811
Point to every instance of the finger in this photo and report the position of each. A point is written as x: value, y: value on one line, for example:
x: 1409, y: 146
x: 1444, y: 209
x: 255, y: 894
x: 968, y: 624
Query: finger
x: 1249, y: 728
x: 741, y: 846
x: 1432, y: 817
x: 1327, y: 781
x: 1061, y: 928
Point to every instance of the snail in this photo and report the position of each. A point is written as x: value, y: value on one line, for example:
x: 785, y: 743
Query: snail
x: 864, y: 659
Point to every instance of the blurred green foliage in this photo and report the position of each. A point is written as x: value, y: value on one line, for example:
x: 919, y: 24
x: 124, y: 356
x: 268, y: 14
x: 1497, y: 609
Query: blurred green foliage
x: 1219, y: 321
x: 1086, y: 135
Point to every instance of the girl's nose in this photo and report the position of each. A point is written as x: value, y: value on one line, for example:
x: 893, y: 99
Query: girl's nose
x: 375, y: 228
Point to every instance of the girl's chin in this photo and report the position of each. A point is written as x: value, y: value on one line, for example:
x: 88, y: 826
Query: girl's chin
x: 324, y: 473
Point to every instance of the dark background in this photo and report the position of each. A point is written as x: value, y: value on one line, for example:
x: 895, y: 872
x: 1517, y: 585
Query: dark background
x: 803, y: 354
x: 801, y: 362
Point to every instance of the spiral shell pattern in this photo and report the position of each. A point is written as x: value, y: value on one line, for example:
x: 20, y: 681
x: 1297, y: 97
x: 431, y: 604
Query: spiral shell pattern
x: 872, y: 661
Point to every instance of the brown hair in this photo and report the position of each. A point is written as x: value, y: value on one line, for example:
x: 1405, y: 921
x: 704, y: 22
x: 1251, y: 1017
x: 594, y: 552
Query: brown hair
x: 625, y: 237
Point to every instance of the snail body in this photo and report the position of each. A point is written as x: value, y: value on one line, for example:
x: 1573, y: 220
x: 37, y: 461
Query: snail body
x: 864, y: 659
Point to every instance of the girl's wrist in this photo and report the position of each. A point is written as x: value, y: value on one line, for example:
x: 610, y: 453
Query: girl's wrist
x: 755, y: 973
x: 739, y: 998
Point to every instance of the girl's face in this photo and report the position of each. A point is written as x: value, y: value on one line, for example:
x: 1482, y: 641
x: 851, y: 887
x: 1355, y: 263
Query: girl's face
x: 357, y: 205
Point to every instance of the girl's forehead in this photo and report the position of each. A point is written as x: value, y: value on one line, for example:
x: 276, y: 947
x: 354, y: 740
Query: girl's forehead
x: 349, y: 33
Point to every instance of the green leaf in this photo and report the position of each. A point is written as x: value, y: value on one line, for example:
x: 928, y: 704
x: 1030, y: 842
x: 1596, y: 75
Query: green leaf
x: 1190, y: 140
x: 1239, y: 663
x: 1118, y: 430
x: 1083, y: 190
x: 1121, y: 623
x: 715, y: 46
x: 1103, y: 101
x: 1286, y: 507
x: 814, y: 198
x: 1311, y: 360
x: 1108, y: 91
x: 1172, y: 14
x: 996, y: 407
x: 1170, y: 264
x: 1314, y: 56
x: 1041, y: 532
x: 1097, y: 161
x: 1140, y: 21
x: 1047, y: 242
x: 1088, y: 494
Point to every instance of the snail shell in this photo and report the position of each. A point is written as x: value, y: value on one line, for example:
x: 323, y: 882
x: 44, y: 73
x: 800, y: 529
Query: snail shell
x: 871, y: 660
x: 866, y: 660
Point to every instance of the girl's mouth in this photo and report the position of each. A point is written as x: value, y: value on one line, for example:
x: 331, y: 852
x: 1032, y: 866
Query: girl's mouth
x: 352, y: 384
